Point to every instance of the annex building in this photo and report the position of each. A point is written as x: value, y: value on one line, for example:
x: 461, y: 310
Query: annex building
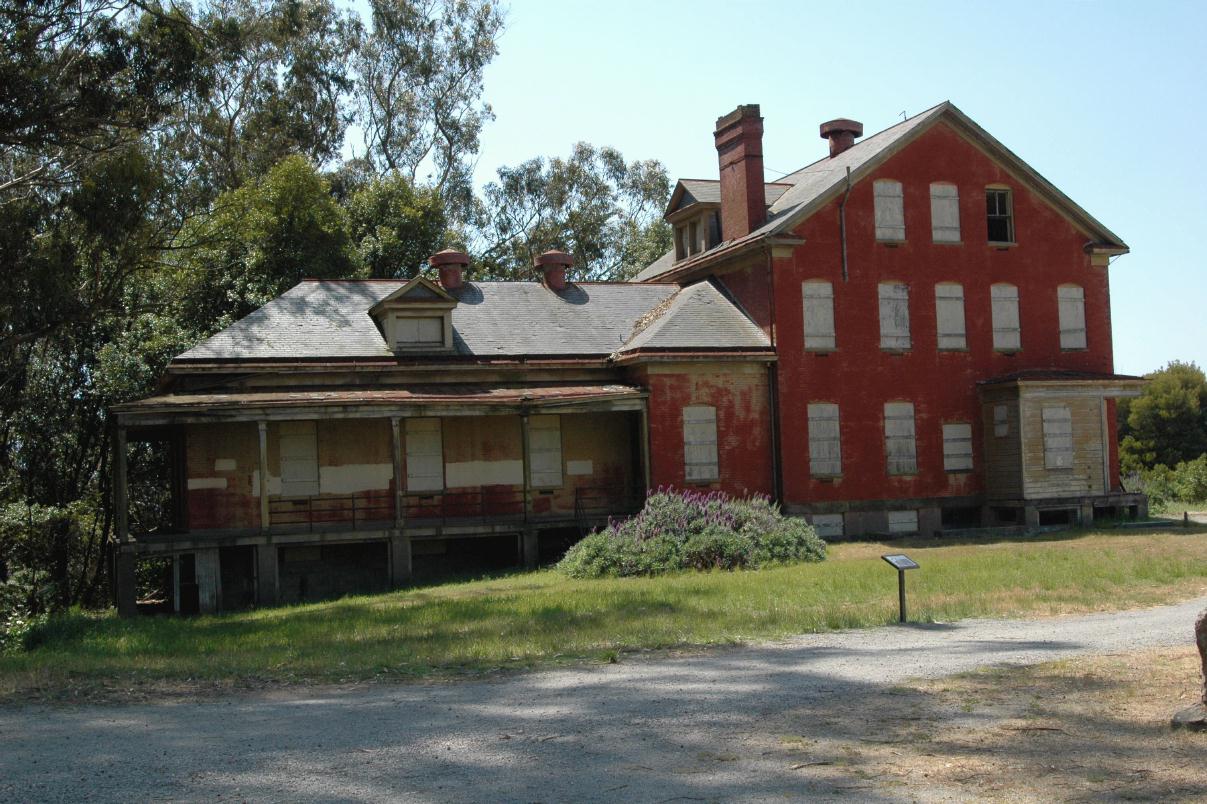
x: 910, y: 335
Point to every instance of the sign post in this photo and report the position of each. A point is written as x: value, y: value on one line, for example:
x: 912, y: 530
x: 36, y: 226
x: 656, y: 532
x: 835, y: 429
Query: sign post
x: 901, y: 563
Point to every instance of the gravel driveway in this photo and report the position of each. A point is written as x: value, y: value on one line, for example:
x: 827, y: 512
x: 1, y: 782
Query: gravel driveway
x: 663, y: 729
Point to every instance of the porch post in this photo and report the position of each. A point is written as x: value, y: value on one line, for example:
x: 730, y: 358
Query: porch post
x: 124, y: 577
x: 400, y: 542
x: 645, y: 450
x: 264, y: 522
x: 524, y: 450
x: 209, y: 580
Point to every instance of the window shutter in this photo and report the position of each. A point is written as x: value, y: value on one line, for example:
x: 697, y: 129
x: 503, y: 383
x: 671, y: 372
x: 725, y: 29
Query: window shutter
x: 945, y: 213
x: 1006, y: 333
x: 425, y: 455
x: 902, y: 521
x: 825, y: 442
x: 819, y: 314
x: 890, y: 210
x: 1072, y: 317
x: 1001, y: 421
x: 545, y: 450
x: 894, y: 315
x: 298, y: 445
x: 424, y: 331
x: 957, y: 447
x: 1058, y: 437
x: 700, y: 443
x: 949, y: 315
x: 900, y: 447
x: 828, y: 526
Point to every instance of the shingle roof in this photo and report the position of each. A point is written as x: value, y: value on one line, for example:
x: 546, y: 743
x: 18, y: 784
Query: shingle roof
x: 708, y: 191
x: 659, y: 265
x: 699, y: 317
x: 326, y: 320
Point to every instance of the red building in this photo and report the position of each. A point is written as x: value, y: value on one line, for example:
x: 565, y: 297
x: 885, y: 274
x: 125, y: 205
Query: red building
x: 909, y: 335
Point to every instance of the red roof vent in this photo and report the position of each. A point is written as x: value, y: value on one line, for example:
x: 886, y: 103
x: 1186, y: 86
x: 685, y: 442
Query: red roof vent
x: 554, y: 264
x: 841, y: 133
x: 451, y: 263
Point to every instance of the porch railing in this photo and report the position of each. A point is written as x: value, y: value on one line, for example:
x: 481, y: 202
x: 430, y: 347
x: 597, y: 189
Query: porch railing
x: 329, y: 510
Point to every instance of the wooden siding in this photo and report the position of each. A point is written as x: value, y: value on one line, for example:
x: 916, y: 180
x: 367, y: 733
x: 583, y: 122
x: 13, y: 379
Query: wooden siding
x: 1003, y: 454
x: 1086, y: 475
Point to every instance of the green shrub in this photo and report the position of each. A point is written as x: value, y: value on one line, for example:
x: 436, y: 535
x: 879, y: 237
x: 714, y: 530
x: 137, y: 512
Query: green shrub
x: 693, y: 530
x: 1184, y: 483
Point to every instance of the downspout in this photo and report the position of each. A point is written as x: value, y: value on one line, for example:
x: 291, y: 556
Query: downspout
x: 773, y: 390
x: 842, y: 223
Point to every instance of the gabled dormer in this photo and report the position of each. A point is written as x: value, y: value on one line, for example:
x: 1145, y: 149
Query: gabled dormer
x: 695, y: 213
x: 416, y: 318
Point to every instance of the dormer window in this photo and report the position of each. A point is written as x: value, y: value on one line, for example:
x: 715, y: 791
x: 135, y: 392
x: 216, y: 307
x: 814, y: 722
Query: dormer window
x: 410, y: 332
x: 417, y: 317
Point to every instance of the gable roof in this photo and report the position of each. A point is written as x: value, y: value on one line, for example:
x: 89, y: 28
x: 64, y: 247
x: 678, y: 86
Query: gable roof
x: 698, y: 317
x: 417, y: 289
x: 816, y: 184
x: 330, y: 320
x: 708, y: 191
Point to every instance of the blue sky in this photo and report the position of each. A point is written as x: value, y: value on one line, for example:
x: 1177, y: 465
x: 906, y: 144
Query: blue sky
x: 1107, y: 100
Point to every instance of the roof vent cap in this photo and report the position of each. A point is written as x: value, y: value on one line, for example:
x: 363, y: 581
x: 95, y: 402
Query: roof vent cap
x: 841, y: 133
x: 451, y: 263
x: 553, y: 264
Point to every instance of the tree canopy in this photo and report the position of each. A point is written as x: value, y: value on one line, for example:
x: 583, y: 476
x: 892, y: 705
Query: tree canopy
x: 1167, y: 423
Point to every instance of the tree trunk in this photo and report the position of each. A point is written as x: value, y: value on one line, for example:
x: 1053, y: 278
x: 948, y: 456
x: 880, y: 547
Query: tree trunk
x: 1200, y: 635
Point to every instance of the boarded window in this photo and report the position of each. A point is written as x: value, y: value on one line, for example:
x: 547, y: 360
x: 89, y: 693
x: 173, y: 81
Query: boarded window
x: 425, y: 455
x: 899, y: 446
x: 818, y: 297
x: 945, y: 213
x: 1072, y: 316
x: 299, y: 453
x: 700, y: 443
x: 825, y: 444
x: 1001, y: 421
x: 999, y: 215
x: 1058, y: 437
x: 902, y: 521
x: 425, y: 331
x: 894, y: 315
x: 828, y: 526
x: 957, y: 447
x: 545, y: 450
x: 1006, y: 333
x: 949, y: 315
x: 890, y: 210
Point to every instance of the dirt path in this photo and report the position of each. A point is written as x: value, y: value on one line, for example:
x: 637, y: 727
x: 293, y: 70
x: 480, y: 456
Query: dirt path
x: 696, y: 728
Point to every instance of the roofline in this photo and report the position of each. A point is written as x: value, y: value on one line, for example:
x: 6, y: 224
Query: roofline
x: 686, y: 270
x: 765, y: 354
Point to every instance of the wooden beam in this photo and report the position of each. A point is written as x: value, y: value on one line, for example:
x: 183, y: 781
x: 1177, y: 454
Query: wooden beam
x: 121, y: 512
x: 527, y: 464
x: 399, y: 480
x: 263, y: 428
x: 645, y: 450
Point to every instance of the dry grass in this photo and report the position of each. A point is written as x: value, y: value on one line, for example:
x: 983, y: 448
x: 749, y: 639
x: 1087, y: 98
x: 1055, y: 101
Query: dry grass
x: 1086, y: 729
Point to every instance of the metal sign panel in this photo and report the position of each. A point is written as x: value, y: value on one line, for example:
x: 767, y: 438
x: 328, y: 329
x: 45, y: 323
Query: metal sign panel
x: 901, y: 562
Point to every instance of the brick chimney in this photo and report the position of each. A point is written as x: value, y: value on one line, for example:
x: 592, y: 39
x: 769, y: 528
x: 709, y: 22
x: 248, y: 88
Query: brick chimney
x: 554, y: 264
x: 450, y: 263
x: 739, y: 139
x: 841, y: 133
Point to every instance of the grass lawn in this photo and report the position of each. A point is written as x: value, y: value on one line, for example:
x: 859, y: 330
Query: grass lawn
x: 536, y: 618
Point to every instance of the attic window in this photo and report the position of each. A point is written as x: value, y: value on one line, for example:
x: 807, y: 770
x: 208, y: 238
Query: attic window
x: 410, y: 332
x: 999, y: 215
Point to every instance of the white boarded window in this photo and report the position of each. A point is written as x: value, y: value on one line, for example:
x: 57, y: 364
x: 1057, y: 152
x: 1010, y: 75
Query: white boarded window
x: 944, y: 213
x: 957, y: 447
x: 1006, y: 332
x: 545, y: 450
x: 700, y: 443
x: 1001, y: 421
x: 1072, y: 316
x: 425, y: 455
x: 828, y: 525
x: 949, y: 316
x: 890, y: 210
x: 899, y: 445
x: 818, y: 296
x: 1058, y: 437
x: 894, y: 315
x: 299, y: 453
x: 425, y: 331
x: 825, y: 444
x: 903, y: 521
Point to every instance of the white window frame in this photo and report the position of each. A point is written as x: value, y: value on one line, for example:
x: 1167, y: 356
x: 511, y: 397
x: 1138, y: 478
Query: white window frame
x: 425, y: 454
x: 1008, y: 215
x: 828, y: 526
x: 889, y: 202
x: 1058, y: 437
x: 894, y: 316
x: 957, y: 447
x: 900, y: 439
x: 1007, y: 329
x: 298, y: 453
x: 951, y: 331
x: 1001, y: 421
x: 825, y: 440
x: 817, y: 304
x: 1070, y: 301
x: 545, y: 451
x: 944, y: 212
x: 700, y: 460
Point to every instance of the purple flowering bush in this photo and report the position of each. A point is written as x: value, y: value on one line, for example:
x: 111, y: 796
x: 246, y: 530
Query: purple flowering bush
x: 679, y: 530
